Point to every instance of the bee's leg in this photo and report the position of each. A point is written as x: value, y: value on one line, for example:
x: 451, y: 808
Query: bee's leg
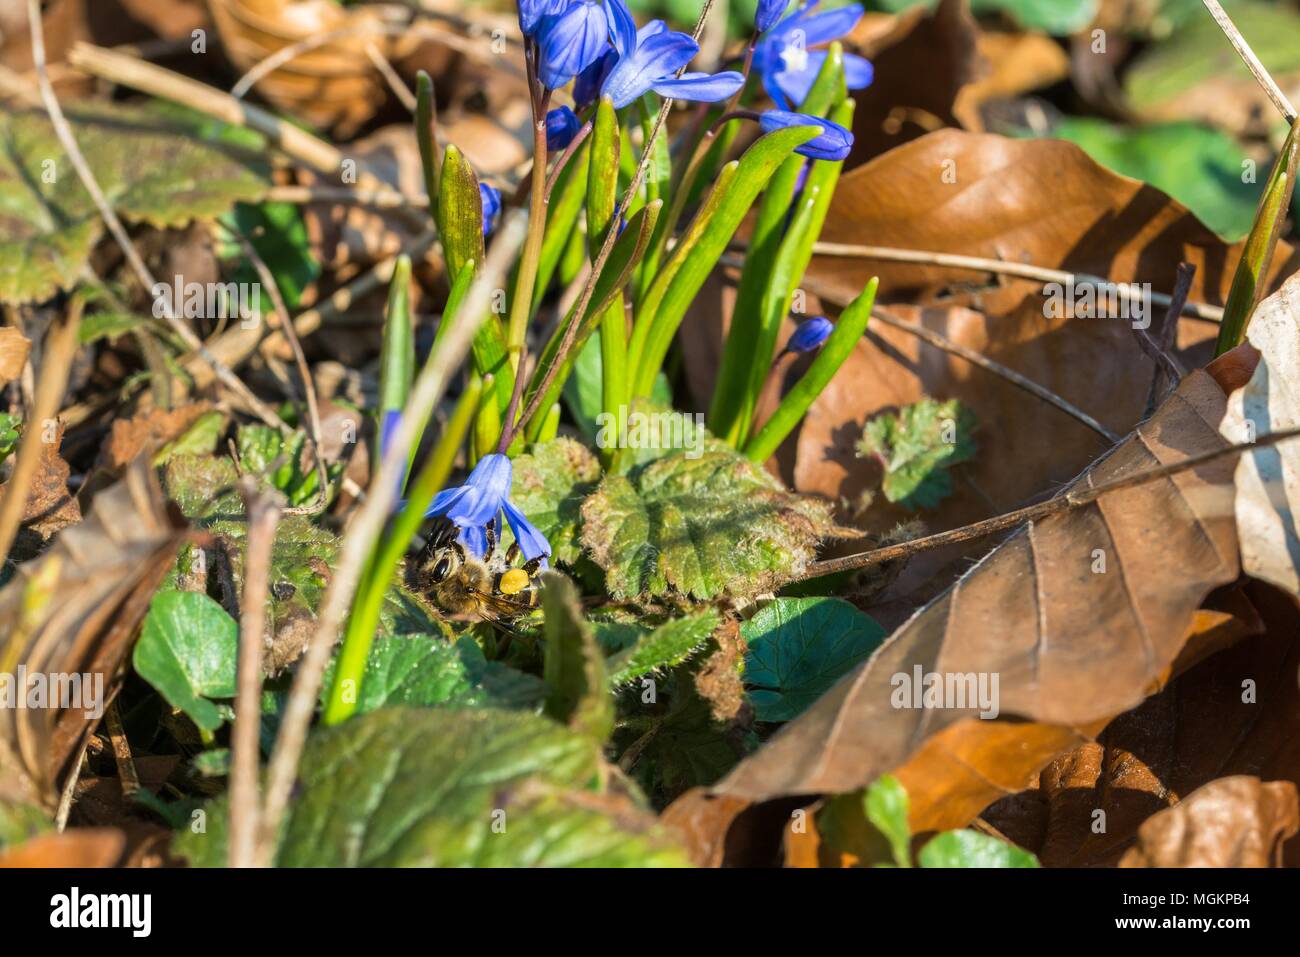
x: 491, y: 535
x: 512, y: 553
x: 533, y: 565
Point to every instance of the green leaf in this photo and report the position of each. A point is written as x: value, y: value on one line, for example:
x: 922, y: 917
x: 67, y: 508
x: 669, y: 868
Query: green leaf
x: 278, y: 233
x: 668, y: 645
x: 9, y: 434
x: 187, y: 651
x: 707, y: 525
x: 577, y: 688
x: 886, y: 807
x: 1196, y: 165
x: 261, y: 447
x: 968, y: 848
x: 679, y: 280
x: 1057, y: 17
x: 799, y: 647
x: 446, y: 788
x: 550, y: 484
x: 426, y: 671
x: 1198, y: 51
x: 460, y: 212
x: 149, y: 173
x: 19, y: 822
x: 201, y: 437
x: 916, y: 447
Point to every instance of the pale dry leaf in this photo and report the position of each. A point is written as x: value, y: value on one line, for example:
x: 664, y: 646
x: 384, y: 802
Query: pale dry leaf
x: 14, y: 349
x: 1268, y: 479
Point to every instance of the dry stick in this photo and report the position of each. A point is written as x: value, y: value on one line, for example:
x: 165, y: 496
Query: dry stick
x: 64, y: 133
x: 378, y: 198
x: 598, y: 265
x: 263, y: 516
x: 1252, y: 62
x: 128, y: 777
x: 1069, y: 500
x: 60, y: 347
x: 1160, y: 347
x: 975, y: 358
x: 287, y: 54
x: 395, y: 82
x: 300, y: 360
x: 369, y: 523
x: 1004, y: 268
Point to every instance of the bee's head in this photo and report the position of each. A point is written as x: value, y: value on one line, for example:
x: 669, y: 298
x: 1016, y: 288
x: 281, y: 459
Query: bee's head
x: 443, y: 564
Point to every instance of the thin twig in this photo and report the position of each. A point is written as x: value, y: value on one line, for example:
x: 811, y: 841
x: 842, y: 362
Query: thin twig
x: 378, y: 198
x: 395, y: 82
x: 975, y: 358
x: 1071, y: 499
x: 998, y: 369
x: 1247, y: 55
x: 1161, y: 346
x: 263, y: 516
x: 369, y: 523
x: 598, y: 265
x: 61, y: 346
x: 300, y: 360
x: 128, y: 777
x: 1131, y: 291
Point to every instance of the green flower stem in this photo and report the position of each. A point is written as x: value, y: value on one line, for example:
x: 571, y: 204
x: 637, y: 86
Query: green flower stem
x: 382, y: 569
x: 521, y: 304
x: 1252, y: 269
x: 602, y: 200
x: 550, y: 424
x: 487, y: 423
x: 848, y: 330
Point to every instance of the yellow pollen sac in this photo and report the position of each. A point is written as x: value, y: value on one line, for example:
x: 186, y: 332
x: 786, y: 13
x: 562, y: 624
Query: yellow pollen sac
x: 513, y: 581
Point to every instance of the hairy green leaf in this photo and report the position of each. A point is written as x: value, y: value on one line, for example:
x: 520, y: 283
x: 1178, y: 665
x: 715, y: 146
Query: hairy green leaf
x: 917, y: 446
x: 577, y: 687
x: 187, y: 651
x: 550, y: 484
x: 667, y: 645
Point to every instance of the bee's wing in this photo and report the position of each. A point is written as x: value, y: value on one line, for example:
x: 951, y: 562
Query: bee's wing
x: 499, y: 606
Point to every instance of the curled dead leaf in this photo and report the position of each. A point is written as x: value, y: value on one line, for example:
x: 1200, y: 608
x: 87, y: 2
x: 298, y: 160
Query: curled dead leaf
x: 83, y: 847
x: 1238, y: 821
x: 14, y: 349
x: 73, y: 612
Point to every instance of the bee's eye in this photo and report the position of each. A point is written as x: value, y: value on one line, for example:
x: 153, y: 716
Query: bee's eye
x: 442, y: 569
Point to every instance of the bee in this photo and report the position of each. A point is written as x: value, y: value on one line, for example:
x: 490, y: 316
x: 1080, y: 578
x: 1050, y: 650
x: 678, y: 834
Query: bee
x: 490, y: 589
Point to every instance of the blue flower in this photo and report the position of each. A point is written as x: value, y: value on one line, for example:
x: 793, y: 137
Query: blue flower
x: 490, y: 197
x: 833, y: 143
x: 562, y: 126
x: 768, y: 12
x: 532, y: 12
x: 570, y: 42
x: 787, y: 63
x: 810, y: 335
x: 586, y: 88
x: 478, y: 503
x: 649, y: 58
x: 387, y: 429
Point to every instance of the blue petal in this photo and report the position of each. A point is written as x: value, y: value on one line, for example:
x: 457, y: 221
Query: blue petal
x: 586, y: 88
x: 447, y: 499
x: 818, y: 28
x: 810, y: 334
x: 562, y: 125
x: 858, y: 72
x: 532, y: 12
x: 474, y: 539
x: 490, y: 198
x: 571, y: 42
x: 531, y: 542
x: 622, y: 28
x: 768, y: 13
x: 701, y: 87
x: 833, y: 143
x: 795, y: 84
x: 660, y: 56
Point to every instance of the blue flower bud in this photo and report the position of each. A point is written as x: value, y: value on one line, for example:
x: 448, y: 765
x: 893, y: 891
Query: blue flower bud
x: 562, y: 126
x: 533, y: 12
x: 570, y: 42
x: 833, y: 143
x: 810, y: 334
x: 490, y: 197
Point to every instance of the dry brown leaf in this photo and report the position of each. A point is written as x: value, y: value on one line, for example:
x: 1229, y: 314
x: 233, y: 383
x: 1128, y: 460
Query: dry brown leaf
x: 1268, y: 480
x: 50, y: 506
x: 1070, y: 646
x: 148, y: 431
x: 75, y: 610
x: 1090, y: 221
x: 83, y: 847
x: 903, y: 102
x: 1233, y: 822
x: 14, y: 349
x: 334, y: 86
x: 1018, y: 62
x: 1235, y: 712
